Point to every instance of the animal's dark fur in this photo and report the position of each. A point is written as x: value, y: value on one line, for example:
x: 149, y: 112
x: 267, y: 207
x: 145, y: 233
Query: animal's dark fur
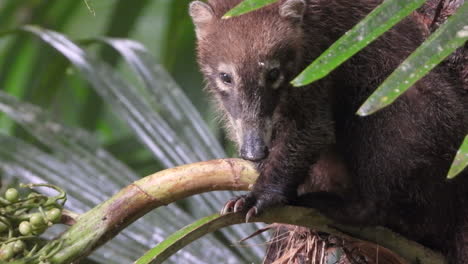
x: 385, y: 169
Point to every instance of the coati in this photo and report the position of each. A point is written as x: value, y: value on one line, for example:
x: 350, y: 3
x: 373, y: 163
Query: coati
x: 385, y: 169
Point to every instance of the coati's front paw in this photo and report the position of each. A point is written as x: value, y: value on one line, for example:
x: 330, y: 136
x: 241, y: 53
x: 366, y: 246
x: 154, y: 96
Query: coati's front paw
x: 253, y: 204
x: 237, y: 204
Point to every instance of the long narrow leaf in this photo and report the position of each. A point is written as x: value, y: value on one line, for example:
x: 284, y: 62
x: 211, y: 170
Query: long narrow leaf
x: 450, y: 36
x: 382, y: 18
x: 461, y: 160
x: 186, y: 235
x: 247, y: 6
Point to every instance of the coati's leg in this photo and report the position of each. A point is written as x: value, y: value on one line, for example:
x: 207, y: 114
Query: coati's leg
x: 276, y: 185
x: 286, y: 167
x: 265, y: 194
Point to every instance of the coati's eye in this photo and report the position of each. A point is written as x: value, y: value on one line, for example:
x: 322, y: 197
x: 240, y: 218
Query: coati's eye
x: 273, y: 75
x: 226, y: 78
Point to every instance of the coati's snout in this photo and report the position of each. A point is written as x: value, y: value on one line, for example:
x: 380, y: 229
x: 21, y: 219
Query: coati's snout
x: 253, y: 147
x: 252, y: 136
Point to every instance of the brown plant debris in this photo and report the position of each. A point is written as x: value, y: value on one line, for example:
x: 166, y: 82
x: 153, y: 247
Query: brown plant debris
x: 300, y: 245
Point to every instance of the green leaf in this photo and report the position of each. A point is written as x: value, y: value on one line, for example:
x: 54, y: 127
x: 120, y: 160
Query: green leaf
x: 247, y: 6
x: 381, y: 19
x: 461, y: 160
x: 450, y: 36
x: 184, y: 236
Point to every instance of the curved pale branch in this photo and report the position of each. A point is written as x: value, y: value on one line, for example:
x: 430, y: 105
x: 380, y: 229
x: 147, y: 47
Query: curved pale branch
x: 100, y: 224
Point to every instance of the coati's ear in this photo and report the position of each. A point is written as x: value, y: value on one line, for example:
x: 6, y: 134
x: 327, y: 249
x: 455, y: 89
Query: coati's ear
x: 293, y: 9
x: 202, y: 15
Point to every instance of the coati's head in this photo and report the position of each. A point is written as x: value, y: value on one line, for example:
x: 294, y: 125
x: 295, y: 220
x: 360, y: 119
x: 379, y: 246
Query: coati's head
x: 249, y: 62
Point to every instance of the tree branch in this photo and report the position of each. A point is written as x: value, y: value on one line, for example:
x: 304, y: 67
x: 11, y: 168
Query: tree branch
x: 106, y: 220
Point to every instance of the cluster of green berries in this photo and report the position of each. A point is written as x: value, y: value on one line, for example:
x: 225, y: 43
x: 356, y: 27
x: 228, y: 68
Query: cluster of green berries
x: 23, y: 219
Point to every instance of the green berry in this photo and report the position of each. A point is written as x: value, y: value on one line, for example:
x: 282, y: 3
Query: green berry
x: 54, y: 215
x: 6, y: 252
x: 3, y: 227
x: 18, y: 246
x: 37, y: 220
x: 12, y: 195
x: 25, y: 228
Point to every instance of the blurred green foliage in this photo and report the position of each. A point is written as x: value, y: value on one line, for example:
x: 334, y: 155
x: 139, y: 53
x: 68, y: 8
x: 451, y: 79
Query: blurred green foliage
x: 32, y: 71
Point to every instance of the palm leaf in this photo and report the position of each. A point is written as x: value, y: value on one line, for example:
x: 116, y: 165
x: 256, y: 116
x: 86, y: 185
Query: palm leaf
x: 450, y: 36
x: 382, y: 18
x: 461, y: 160
x: 247, y: 6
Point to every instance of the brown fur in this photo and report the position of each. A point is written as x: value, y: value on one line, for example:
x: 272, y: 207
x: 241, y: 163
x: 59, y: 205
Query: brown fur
x: 385, y: 169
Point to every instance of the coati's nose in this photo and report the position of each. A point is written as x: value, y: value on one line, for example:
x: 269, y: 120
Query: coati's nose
x: 253, y: 147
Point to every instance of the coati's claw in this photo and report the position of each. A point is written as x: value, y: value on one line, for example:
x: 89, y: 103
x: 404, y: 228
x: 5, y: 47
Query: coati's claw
x: 252, y: 212
x: 227, y: 208
x: 252, y: 204
x: 234, y: 205
x: 239, y: 205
